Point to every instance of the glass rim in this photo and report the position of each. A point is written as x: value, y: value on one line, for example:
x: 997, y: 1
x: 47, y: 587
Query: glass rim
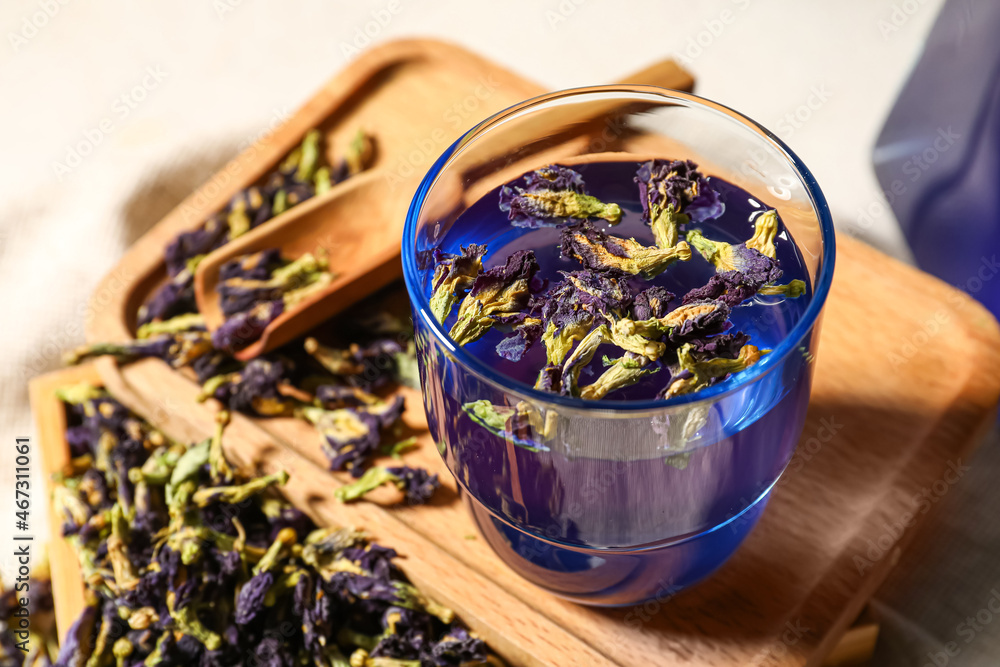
x: 737, y: 381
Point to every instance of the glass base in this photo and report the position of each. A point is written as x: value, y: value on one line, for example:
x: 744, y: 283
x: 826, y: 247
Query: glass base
x: 615, y: 577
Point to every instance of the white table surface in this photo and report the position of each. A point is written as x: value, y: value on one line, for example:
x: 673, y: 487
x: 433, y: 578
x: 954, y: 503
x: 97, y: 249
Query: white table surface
x: 822, y: 75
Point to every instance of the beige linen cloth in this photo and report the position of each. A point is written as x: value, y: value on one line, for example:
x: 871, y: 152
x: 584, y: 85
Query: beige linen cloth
x: 113, y: 111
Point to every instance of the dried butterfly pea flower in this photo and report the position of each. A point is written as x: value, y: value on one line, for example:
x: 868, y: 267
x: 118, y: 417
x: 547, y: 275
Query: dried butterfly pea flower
x: 727, y: 345
x: 691, y: 320
x: 623, y: 372
x: 214, y: 363
x: 309, y: 157
x: 554, y: 177
x: 125, y: 574
x: 258, y: 388
x: 386, y: 413
x: 289, y: 283
x: 549, y: 378
x: 358, y: 157
x: 176, y: 349
x: 334, y: 396
x: 237, y: 494
x: 350, y: 438
x: 416, y: 484
x: 219, y: 469
x: 695, y: 375
x: 198, y: 242
x: 251, y: 597
x: 186, y: 620
x: 757, y: 267
x: 174, y: 297
x: 367, y: 366
x: 743, y: 270
x: 731, y: 287
x: 338, y: 362
x: 571, y: 308
x: 765, y: 231
x: 499, y: 292
x: 76, y: 645
x: 174, y: 325
x: 599, y: 251
x: 521, y: 425
x: 651, y: 303
x: 242, y: 329
x: 580, y: 357
x: 634, y: 340
x: 526, y: 333
x: 243, y: 208
x: 794, y: 289
x: 457, y: 647
x: 406, y: 632
x: 551, y: 196
x: 166, y: 617
x: 255, y: 266
x: 678, y: 187
x: 454, y: 274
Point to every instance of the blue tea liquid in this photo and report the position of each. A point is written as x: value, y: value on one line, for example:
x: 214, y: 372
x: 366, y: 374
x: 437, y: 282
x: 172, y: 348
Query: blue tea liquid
x: 619, y: 508
x: 767, y: 319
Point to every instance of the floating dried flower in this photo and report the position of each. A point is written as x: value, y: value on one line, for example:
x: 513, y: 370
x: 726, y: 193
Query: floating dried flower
x: 599, y: 251
x: 499, y: 292
x: 551, y: 196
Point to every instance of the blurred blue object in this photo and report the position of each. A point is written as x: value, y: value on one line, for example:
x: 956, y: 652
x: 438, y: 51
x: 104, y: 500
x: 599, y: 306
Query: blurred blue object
x: 938, y: 157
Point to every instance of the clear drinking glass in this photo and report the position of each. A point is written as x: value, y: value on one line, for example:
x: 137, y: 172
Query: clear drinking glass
x: 627, y: 500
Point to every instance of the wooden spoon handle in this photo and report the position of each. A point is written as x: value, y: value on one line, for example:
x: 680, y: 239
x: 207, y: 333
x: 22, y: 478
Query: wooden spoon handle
x: 359, y: 222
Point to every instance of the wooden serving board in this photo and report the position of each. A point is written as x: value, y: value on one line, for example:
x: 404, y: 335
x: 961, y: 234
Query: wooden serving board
x: 50, y: 425
x: 907, y: 378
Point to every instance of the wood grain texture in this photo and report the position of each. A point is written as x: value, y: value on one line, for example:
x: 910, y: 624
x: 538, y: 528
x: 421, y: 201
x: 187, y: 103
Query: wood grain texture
x: 882, y: 427
x: 416, y: 97
x: 50, y: 424
x: 907, y: 378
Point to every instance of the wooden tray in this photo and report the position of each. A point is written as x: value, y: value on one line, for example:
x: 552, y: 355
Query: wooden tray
x: 907, y: 379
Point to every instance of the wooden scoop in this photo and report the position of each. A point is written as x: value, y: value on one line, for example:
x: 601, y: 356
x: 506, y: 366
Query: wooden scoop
x: 359, y: 224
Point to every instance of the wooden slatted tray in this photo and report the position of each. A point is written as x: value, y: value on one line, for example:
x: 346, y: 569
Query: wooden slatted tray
x: 907, y: 378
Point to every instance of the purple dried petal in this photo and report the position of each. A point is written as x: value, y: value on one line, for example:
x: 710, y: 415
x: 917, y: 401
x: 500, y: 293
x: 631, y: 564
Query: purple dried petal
x: 189, y: 245
x: 553, y: 195
x: 173, y: 298
x: 651, y: 303
x: 726, y: 345
x: 250, y: 601
x: 731, y: 287
x: 416, y: 483
x: 554, y: 177
x: 243, y: 329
